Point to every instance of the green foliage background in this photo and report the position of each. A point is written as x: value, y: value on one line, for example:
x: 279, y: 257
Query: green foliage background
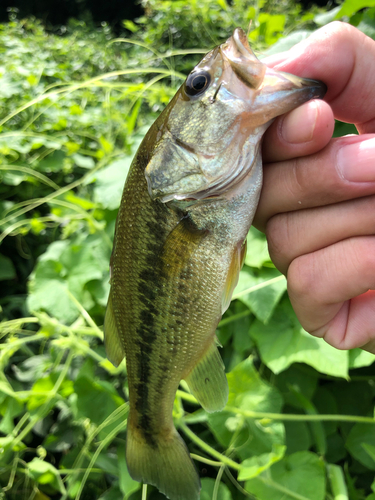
x: 74, y: 107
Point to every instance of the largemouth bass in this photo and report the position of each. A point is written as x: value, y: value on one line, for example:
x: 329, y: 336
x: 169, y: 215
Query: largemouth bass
x: 187, y: 206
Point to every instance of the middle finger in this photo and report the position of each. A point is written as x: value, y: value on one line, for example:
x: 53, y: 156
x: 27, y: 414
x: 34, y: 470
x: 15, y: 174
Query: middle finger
x: 293, y: 234
x: 343, y: 170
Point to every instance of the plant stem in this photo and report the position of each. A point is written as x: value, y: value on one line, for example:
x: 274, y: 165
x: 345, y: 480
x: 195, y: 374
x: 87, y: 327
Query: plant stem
x: 144, y: 491
x: 207, y: 448
x: 300, y: 418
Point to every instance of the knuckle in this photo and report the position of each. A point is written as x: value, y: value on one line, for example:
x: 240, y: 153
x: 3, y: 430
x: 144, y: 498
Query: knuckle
x: 302, y: 278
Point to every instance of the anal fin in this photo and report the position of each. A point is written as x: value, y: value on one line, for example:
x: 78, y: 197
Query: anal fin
x: 113, y: 346
x: 235, y: 267
x: 208, y: 382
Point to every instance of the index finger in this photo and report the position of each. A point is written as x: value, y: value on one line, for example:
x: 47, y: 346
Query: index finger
x: 344, y: 59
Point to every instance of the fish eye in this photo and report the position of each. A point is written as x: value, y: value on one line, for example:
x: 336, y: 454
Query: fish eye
x: 197, y: 83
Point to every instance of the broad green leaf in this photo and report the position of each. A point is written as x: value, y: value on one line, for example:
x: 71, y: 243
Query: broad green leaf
x: 347, y: 400
x: 297, y: 436
x: 208, y: 486
x: 83, y: 161
x: 10, y: 408
x: 248, y: 392
x: 257, y: 249
x: 237, y: 319
x: 299, y: 476
x: 65, y: 269
x: 359, y: 358
x: 109, y: 183
x: 52, y: 163
x: 260, y: 290
x: 254, y: 466
x: 96, y: 400
x: 326, y: 404
x: 296, y: 377
x: 326, y: 17
x: 40, y: 392
x: 336, y: 451
x: 108, y: 463
x: 367, y: 23
x: 282, y: 341
x: 359, y: 436
x: 350, y: 7
x: 370, y: 449
x: 286, y: 43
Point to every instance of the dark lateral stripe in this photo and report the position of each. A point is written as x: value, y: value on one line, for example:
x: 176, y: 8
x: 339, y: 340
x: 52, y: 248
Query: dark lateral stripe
x: 149, y: 287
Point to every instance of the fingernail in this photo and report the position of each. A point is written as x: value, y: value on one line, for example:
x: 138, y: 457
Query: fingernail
x: 356, y: 161
x: 298, y: 126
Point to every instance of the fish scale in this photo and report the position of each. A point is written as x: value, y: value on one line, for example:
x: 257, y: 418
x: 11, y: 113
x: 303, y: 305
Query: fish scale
x: 188, y: 203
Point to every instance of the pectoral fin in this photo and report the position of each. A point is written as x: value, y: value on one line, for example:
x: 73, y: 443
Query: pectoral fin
x: 235, y: 267
x: 179, y: 246
x: 208, y: 382
x: 112, y: 340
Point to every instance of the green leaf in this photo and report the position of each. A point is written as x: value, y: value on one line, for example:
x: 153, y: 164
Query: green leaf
x: 247, y: 391
x: 83, y: 161
x: 208, y: 486
x: 299, y: 476
x: 52, y: 163
x: 96, y: 400
x: 45, y: 473
x: 10, y: 408
x: 286, y: 43
x: 326, y: 17
x: 297, y: 436
x: 283, y: 341
x: 109, y: 183
x: 367, y: 23
x: 40, y: 392
x: 361, y: 443
x: 260, y: 290
x: 296, y: 377
x: 350, y: 7
x: 129, y: 25
x: 65, y: 268
x: 257, y: 249
x: 359, y: 358
x: 254, y: 466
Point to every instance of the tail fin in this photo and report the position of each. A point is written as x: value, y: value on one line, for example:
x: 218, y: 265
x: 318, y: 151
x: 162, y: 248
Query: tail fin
x: 165, y: 464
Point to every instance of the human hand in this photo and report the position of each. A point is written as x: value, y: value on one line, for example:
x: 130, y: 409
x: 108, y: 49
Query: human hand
x: 317, y: 206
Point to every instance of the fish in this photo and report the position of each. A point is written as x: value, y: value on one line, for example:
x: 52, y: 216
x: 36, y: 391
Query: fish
x: 180, y: 242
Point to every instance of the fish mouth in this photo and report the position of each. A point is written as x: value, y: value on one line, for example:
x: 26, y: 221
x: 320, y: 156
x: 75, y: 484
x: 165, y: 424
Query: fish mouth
x: 275, y: 92
x: 242, y: 59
